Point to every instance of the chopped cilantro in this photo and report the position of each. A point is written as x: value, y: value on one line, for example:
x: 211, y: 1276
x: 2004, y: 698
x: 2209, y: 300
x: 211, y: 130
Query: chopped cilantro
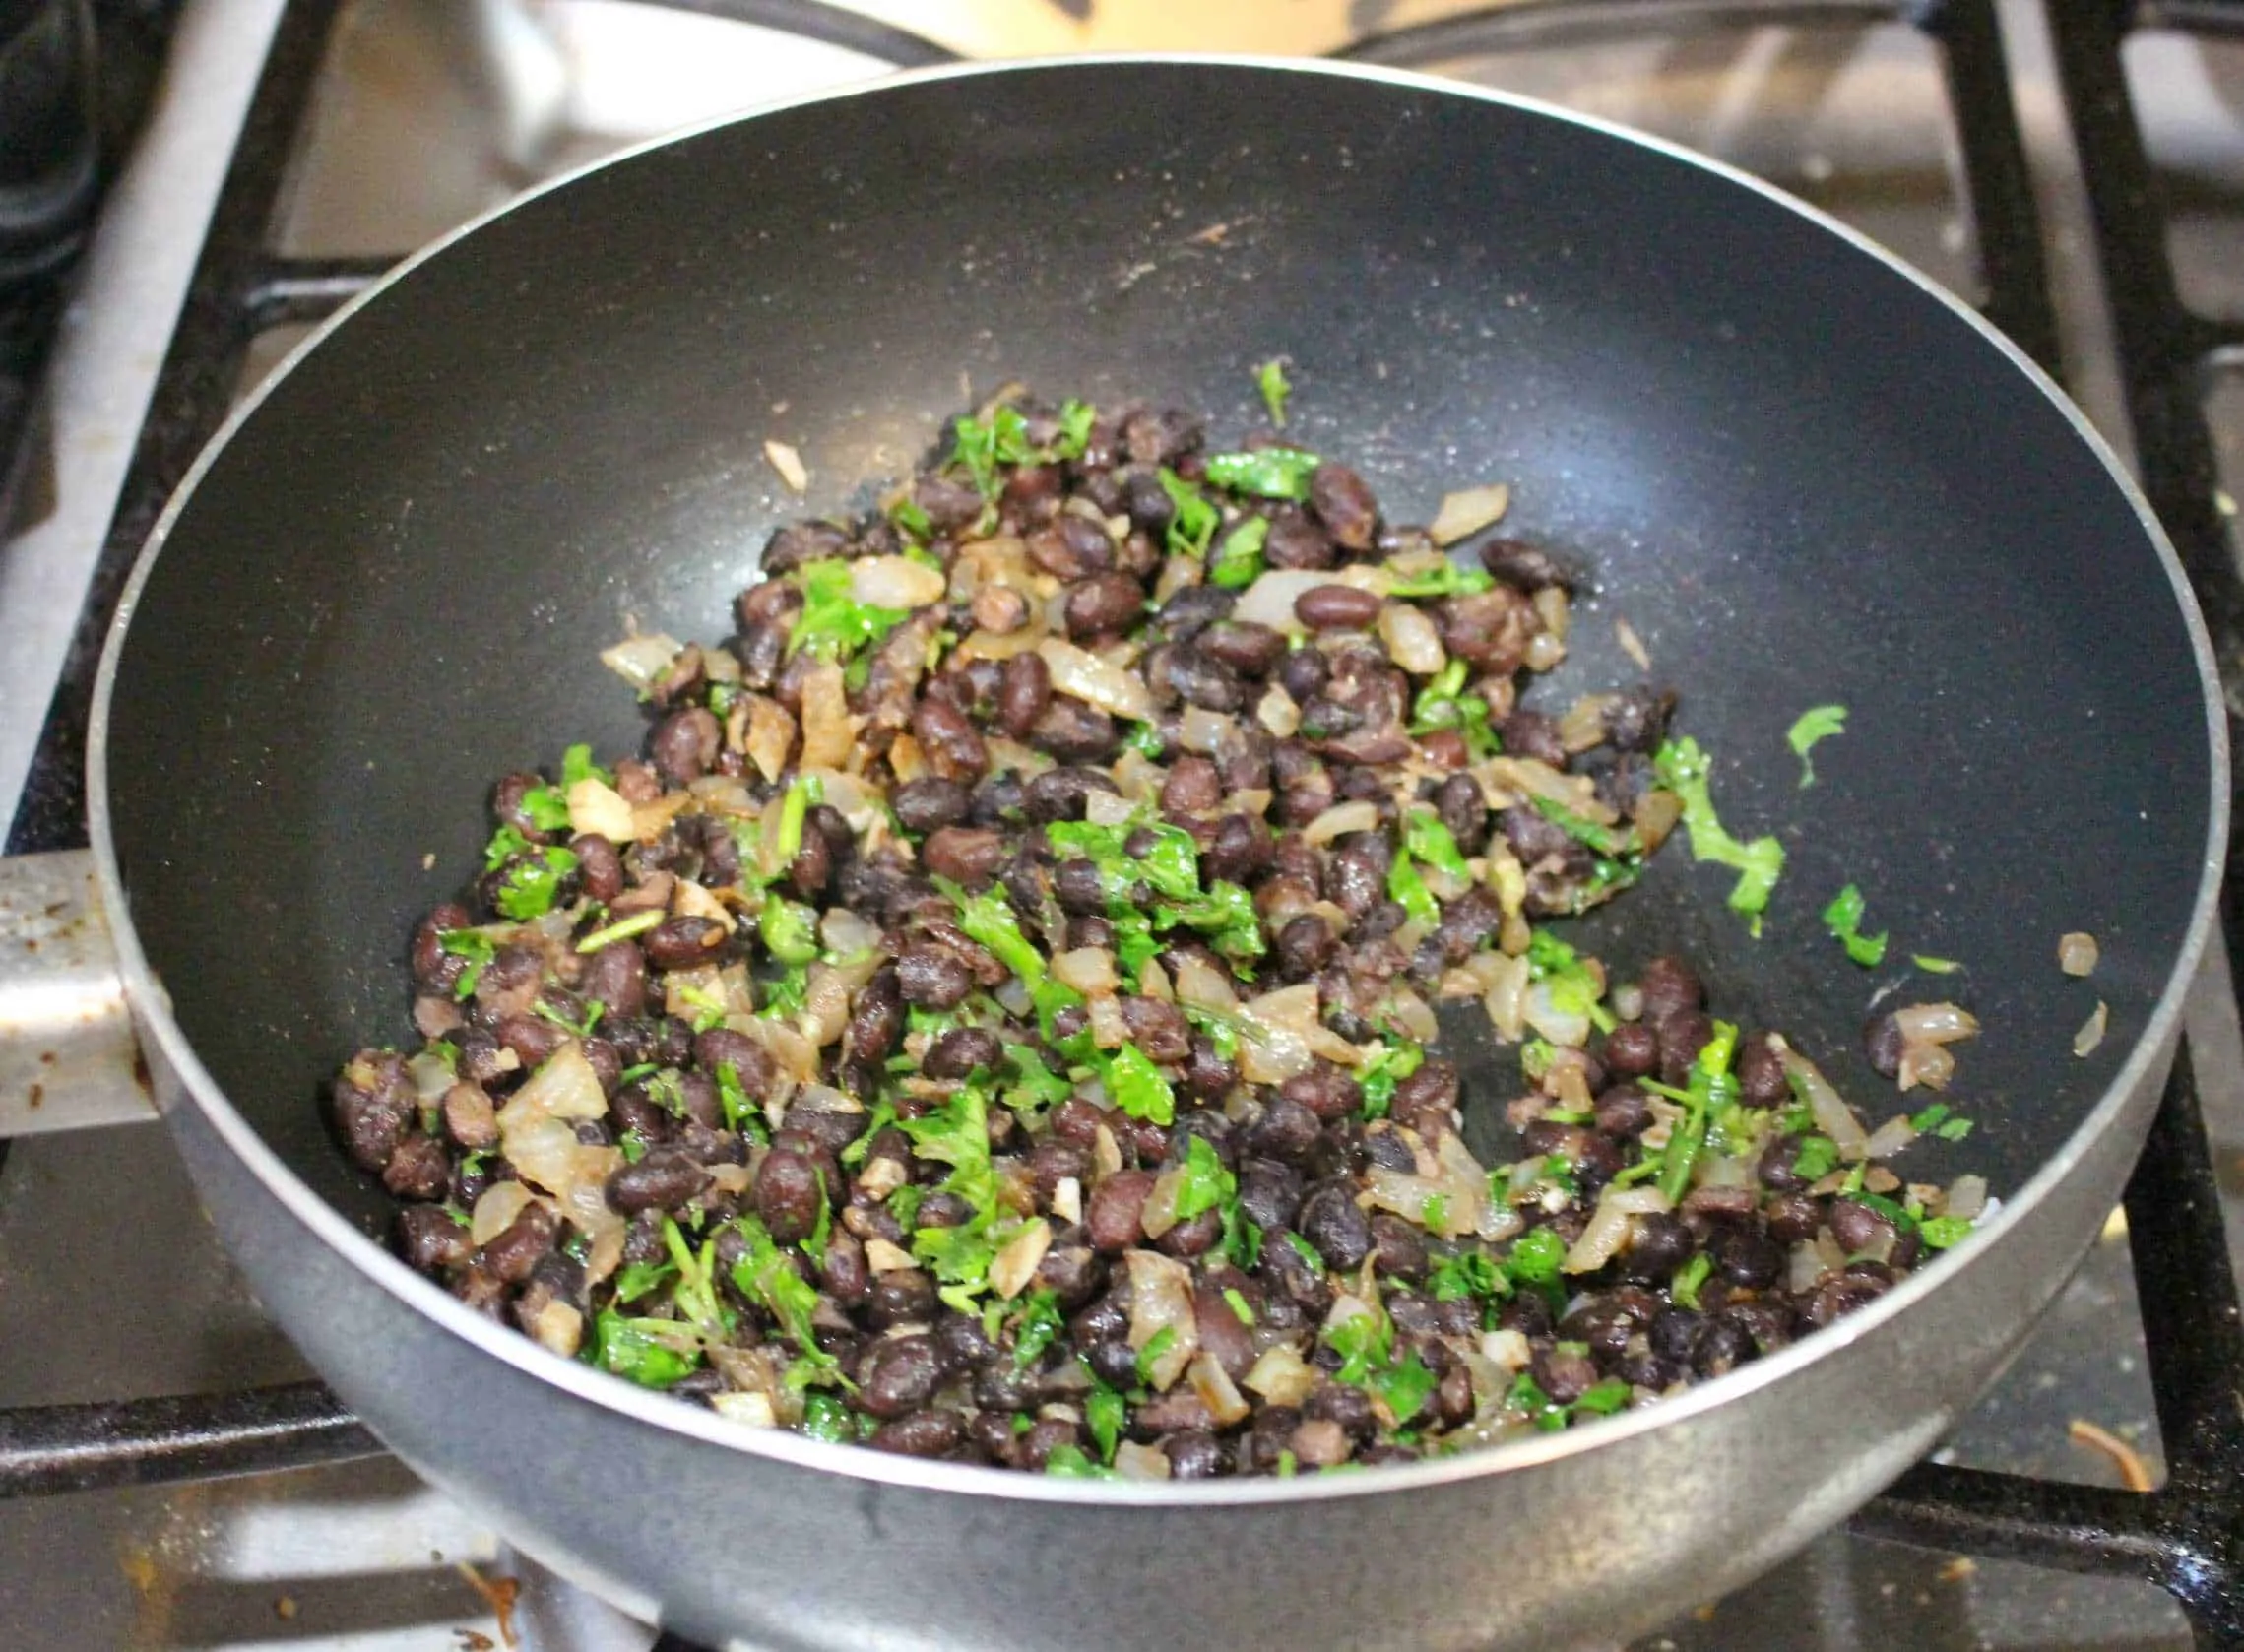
x: 1407, y: 885
x: 1038, y: 1086
x: 473, y: 945
x: 1379, y: 1076
x: 1270, y: 380
x: 1239, y: 1305
x: 1603, y: 1399
x: 1682, y: 1290
x: 1817, y: 1157
x: 1940, y: 1233
x: 1424, y: 836
x: 1105, y: 1414
x: 826, y: 1416
x: 1270, y: 473
x: 1574, y: 987
x: 1448, y: 580
x: 1307, y: 1253
x: 1711, y: 1086
x: 834, y: 625
x: 1287, y: 1466
x: 1935, y: 966
x: 1135, y: 1085
x: 1038, y: 1325
x: 582, y: 1028
x: 1683, y: 769
x: 647, y: 1350
x: 1405, y: 1386
x: 640, y: 1278
x: 790, y: 930
x: 765, y: 1275
x: 577, y: 765
x: 1194, y: 526
x: 981, y: 445
x: 546, y: 809
x: 1604, y: 839
x: 957, y: 1135
x: 1527, y: 1394
x: 1150, y: 1355
x: 1204, y: 1183
x: 1238, y: 559
x: 1843, y: 918
x: 1536, y: 1255
x: 1145, y: 739
x: 1225, y: 917
x: 533, y: 882
x: 915, y: 522
x: 1816, y: 722
x: 1076, y: 421
x: 1435, y: 1212
x: 1469, y: 1273
x: 623, y: 928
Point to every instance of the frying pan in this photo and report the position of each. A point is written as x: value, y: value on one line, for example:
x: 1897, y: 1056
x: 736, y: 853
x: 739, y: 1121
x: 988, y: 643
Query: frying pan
x: 1803, y: 476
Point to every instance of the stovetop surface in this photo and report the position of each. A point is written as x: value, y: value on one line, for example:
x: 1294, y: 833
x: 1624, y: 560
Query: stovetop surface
x: 112, y: 1283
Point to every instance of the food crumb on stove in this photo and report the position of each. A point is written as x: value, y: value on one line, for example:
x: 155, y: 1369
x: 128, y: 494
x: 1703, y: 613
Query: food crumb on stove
x: 789, y: 464
x: 428, y: 861
x: 2115, y: 1226
x: 2134, y: 1472
x: 285, y: 1609
x: 1705, y: 1611
x: 473, y: 1640
x: 1958, y: 1567
x: 1633, y: 645
x: 499, y: 1593
x: 2076, y: 953
x: 2091, y: 1033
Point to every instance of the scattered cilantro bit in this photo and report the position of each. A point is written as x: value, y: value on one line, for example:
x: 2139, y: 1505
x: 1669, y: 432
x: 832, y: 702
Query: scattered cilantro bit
x: 1105, y: 1414
x: 1536, y: 1255
x: 1443, y: 704
x: 473, y: 945
x: 787, y: 992
x: 1194, y: 526
x: 1145, y: 739
x: 1036, y: 1088
x: 981, y: 445
x: 1307, y: 1253
x: 1817, y: 1157
x: 1379, y: 1076
x: 1448, y: 580
x: 1135, y: 1085
x: 623, y: 928
x: 957, y: 1135
x: 1603, y: 1399
x: 1469, y: 1273
x: 1238, y: 559
x: 1075, y: 421
x: 915, y: 522
x: 740, y: 1110
x: 1424, y: 836
x: 1170, y: 862
x: 834, y: 625
x: 1224, y: 917
x: 1527, y: 1394
x: 790, y: 930
x: 1407, y: 884
x: 1843, y: 918
x: 1711, y: 1086
x: 1816, y: 722
x: 1038, y: 1323
x: 653, y: 1353
x: 1682, y: 1290
x: 1150, y: 1355
x: 577, y: 764
x: 640, y: 1278
x: 1205, y: 1183
x: 1067, y: 1462
x: 1288, y: 1465
x: 1604, y: 839
x: 1239, y: 1305
x: 1575, y: 986
x: 1935, y: 966
x: 1683, y: 769
x: 1270, y: 380
x: 826, y: 1416
x: 546, y: 809
x: 1270, y: 473
x: 1942, y: 1233
x: 1435, y: 1212
x: 765, y: 1275
x: 533, y: 880
x: 581, y: 1029
x: 793, y: 810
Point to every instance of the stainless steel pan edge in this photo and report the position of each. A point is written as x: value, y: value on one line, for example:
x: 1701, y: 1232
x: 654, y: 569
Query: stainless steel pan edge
x: 735, y: 1535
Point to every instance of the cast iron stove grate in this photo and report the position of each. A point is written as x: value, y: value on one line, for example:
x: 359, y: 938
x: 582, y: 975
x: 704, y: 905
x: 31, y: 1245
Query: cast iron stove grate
x: 2187, y: 1537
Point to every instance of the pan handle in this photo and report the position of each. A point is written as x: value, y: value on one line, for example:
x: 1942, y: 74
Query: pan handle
x: 68, y: 1056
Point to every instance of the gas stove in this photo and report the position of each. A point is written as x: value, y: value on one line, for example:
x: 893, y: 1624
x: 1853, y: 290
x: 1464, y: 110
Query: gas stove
x: 2076, y: 169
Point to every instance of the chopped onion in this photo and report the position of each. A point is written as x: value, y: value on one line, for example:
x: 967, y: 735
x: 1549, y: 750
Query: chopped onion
x: 1509, y: 1348
x: 1090, y: 969
x: 1280, y: 1375
x: 2091, y: 1033
x: 1576, y: 793
x: 1467, y: 511
x: 1631, y: 645
x: 642, y: 661
x: 1967, y: 1197
x: 1942, y: 1023
x: 1412, y: 1016
x: 1928, y: 1064
x: 599, y: 810
x: 430, y: 1076
x: 1269, y: 600
x: 846, y: 933
x: 883, y: 1256
x: 1278, y: 713
x: 565, y: 1087
x: 1556, y: 611
x: 558, y: 1327
x: 1201, y: 986
x: 789, y: 464
x: 1506, y: 1000
x: 1067, y: 1199
x: 1340, y: 819
x: 1601, y: 1239
x: 1804, y: 1268
x: 1161, y: 1300
x: 1560, y: 1027
x: 1890, y: 1137
x: 829, y: 732
x: 896, y: 582
x: 1096, y: 682
x: 1108, y: 808
x: 750, y: 1410
x: 1215, y: 1389
x: 2076, y: 953
x: 1411, y: 640
x: 1108, y: 1029
x: 1133, y: 1461
x: 1833, y: 1115
x: 1016, y: 1261
x: 1159, y: 1212
x: 496, y: 1207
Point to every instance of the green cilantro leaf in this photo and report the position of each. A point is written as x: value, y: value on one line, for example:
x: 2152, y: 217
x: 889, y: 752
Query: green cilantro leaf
x: 1075, y: 421
x: 1407, y: 885
x: 1238, y: 559
x: 1379, y: 1076
x: 1448, y: 580
x: 577, y: 764
x: 826, y: 1416
x: 1135, y: 1085
x: 1816, y: 722
x: 1105, y: 1413
x: 1405, y: 1386
x: 1270, y: 380
x: 1536, y: 1255
x: 1424, y: 836
x: 653, y: 1353
x: 1935, y: 966
x: 1683, y: 769
x: 1195, y: 522
x: 1682, y: 1290
x: 1150, y: 1355
x: 1602, y: 1399
x: 834, y: 625
x: 1270, y: 473
x: 1067, y: 1462
x: 765, y: 1275
x: 1204, y: 1183
x: 1817, y: 1157
x: 1942, y: 1233
x: 1038, y: 1325
x: 473, y: 945
x: 1843, y: 918
x: 1469, y: 1273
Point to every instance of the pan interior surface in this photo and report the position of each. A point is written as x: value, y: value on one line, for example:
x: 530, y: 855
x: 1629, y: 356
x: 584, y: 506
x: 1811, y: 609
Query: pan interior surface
x: 1800, y: 477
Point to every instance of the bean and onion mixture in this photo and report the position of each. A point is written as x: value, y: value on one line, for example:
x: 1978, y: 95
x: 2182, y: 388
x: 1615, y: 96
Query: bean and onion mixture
x: 990, y: 1021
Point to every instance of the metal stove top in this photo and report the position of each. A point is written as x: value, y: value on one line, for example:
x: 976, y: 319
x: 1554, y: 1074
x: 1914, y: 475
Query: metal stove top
x: 422, y: 112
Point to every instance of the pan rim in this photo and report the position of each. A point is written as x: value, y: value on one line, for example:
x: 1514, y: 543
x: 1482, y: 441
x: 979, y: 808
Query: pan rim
x: 2151, y: 1048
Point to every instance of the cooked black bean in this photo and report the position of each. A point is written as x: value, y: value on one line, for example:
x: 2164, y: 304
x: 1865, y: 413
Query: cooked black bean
x: 1331, y: 1221
x: 923, y: 1434
x: 906, y: 1296
x: 1669, y: 984
x: 1061, y: 793
x: 1336, y: 607
x: 1344, y: 504
x: 1525, y: 566
x: 679, y: 943
x: 662, y: 1181
x: 933, y: 977
x: 929, y: 803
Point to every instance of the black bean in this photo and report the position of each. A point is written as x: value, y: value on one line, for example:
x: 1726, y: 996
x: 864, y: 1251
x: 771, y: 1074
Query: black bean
x: 1306, y: 945
x: 906, y: 1296
x: 431, y: 1240
x: 929, y: 803
x: 597, y: 863
x: 933, y: 977
x: 923, y: 1434
x: 685, y: 744
x: 1531, y: 733
x: 959, y: 1052
x: 1336, y: 607
x: 1023, y: 694
x: 1241, y: 851
x: 1669, y: 984
x: 1244, y: 646
x: 949, y: 742
x: 1792, y: 1218
x: 662, y: 1180
x: 1631, y: 1051
x: 1658, y: 1244
x: 1882, y: 1042
x: 1158, y: 1029
x: 679, y: 943
x: 1195, y: 1237
x: 1207, y: 1075
x: 1858, y: 1228
x: 373, y: 1100
x: 420, y: 1169
x: 1563, y: 1375
x: 1331, y: 1221
x: 1196, y: 678
x: 1624, y: 1110
x: 1194, y: 1454
x: 1720, y: 1347
x: 1295, y: 542
x: 1111, y: 1215
x: 1747, y: 1256
x: 1399, y: 1246
x: 1682, y: 1035
x: 1761, y: 1074
x: 1100, y: 604
x: 512, y: 1253
x: 1061, y: 793
x: 788, y: 1194
x: 1345, y: 505
x: 1325, y: 1091
x: 899, y: 1374
x: 532, y: 1037
x: 1636, y: 720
